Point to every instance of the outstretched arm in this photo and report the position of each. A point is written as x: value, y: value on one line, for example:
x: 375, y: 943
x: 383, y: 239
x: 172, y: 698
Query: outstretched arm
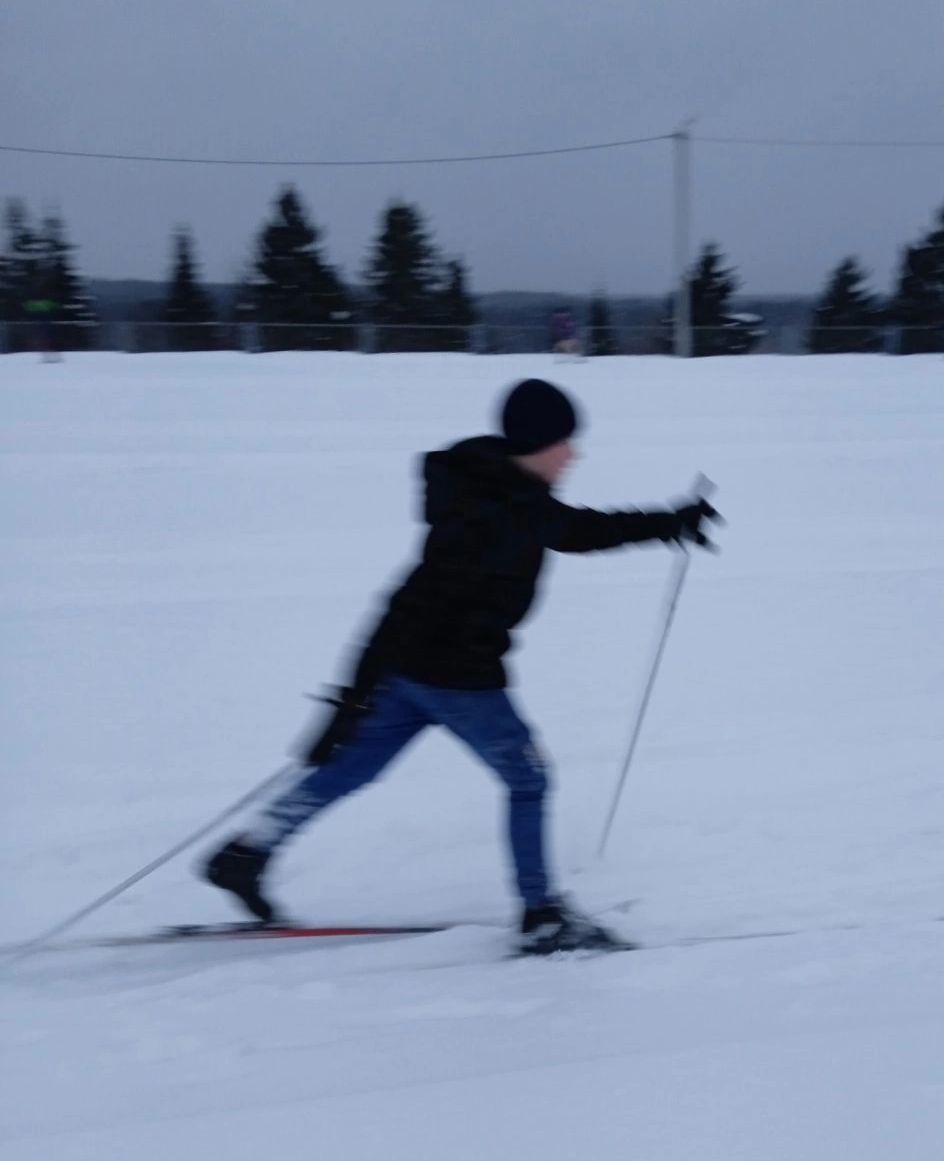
x: 588, y: 530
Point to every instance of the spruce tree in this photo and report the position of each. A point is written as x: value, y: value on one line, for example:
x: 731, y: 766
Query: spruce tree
x: 6, y: 278
x: 22, y: 260
x: 187, y: 302
x: 711, y: 289
x: 38, y: 283
x: 60, y: 284
x: 404, y: 279
x: 454, y: 308
x: 602, y: 337
x: 846, y: 317
x: 716, y: 330
x: 294, y: 284
x: 918, y: 304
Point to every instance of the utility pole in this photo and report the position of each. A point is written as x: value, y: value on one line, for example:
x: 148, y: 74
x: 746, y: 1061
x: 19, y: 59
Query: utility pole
x: 682, y: 331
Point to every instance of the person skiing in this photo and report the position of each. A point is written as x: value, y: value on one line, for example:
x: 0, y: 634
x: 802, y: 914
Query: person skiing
x: 42, y: 313
x: 565, y: 340
x: 435, y: 658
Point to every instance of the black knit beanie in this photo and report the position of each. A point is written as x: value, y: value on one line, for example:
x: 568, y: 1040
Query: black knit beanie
x: 535, y: 415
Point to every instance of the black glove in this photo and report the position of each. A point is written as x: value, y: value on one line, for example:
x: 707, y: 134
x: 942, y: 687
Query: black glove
x: 688, y: 522
x: 349, y: 707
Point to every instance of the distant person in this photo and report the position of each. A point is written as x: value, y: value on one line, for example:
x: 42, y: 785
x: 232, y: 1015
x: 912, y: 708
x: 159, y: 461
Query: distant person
x: 564, y: 337
x: 42, y: 312
x: 435, y: 658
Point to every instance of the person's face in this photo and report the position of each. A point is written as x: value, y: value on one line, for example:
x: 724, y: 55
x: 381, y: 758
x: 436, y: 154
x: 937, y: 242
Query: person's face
x: 551, y: 462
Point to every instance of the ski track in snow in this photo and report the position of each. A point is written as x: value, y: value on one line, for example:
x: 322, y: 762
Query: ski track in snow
x: 190, y: 541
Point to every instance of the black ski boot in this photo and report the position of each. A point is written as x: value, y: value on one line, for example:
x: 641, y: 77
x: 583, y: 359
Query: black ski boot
x: 554, y: 926
x: 238, y: 868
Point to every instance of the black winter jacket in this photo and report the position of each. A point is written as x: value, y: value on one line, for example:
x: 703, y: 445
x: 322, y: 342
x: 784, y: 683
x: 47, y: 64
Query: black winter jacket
x: 449, y: 624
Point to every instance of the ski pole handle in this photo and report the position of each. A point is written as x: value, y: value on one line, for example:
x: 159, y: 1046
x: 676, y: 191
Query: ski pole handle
x: 703, y: 488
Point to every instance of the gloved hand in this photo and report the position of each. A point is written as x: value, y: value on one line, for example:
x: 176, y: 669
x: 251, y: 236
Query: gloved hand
x: 688, y: 523
x: 349, y: 700
x: 335, y: 728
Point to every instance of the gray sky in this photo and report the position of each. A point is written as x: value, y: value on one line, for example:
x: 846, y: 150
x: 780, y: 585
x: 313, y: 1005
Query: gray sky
x: 388, y: 78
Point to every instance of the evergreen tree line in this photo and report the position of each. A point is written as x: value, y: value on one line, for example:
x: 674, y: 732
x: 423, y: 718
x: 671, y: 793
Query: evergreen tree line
x: 847, y: 316
x: 291, y: 296
x: 417, y: 299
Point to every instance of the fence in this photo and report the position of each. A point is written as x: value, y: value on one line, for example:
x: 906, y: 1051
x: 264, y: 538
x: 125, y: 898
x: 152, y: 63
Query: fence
x: 482, y: 338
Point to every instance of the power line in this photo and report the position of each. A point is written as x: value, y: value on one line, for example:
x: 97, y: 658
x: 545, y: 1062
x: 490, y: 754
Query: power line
x: 333, y: 163
x: 826, y: 144
x: 471, y: 157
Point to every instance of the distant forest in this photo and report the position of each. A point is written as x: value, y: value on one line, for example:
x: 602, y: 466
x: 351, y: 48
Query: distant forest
x: 413, y: 295
x: 141, y: 300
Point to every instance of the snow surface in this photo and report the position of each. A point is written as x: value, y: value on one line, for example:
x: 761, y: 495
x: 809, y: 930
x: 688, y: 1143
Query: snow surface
x: 191, y: 541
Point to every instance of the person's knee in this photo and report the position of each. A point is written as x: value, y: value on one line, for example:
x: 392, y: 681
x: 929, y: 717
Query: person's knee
x: 336, y: 778
x: 526, y: 771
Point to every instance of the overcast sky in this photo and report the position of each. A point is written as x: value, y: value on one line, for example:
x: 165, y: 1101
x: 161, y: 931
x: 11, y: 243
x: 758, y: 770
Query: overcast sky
x: 393, y: 78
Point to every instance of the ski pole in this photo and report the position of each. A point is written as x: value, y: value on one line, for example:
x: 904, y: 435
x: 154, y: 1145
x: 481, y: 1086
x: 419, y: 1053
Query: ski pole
x: 702, y: 488
x: 41, y: 940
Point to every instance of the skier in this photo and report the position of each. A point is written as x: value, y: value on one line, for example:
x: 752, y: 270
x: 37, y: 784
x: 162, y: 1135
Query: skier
x: 43, y: 311
x: 435, y: 658
x: 565, y: 341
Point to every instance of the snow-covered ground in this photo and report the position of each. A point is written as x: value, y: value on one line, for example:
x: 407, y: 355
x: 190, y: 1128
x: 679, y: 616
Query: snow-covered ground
x: 190, y: 542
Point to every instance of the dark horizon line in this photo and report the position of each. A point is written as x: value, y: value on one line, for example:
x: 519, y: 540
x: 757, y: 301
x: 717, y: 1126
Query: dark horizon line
x: 652, y: 296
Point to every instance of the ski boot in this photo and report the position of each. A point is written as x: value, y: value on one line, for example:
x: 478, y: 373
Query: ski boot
x: 555, y: 926
x: 238, y: 868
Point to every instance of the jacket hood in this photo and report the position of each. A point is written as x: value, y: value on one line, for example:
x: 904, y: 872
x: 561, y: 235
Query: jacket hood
x: 474, y: 471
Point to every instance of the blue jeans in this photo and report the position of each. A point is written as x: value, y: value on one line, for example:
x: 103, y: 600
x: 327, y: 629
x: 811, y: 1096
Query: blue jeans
x: 484, y: 719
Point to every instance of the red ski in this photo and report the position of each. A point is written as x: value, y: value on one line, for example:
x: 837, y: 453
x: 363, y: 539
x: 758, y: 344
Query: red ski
x: 218, y: 932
